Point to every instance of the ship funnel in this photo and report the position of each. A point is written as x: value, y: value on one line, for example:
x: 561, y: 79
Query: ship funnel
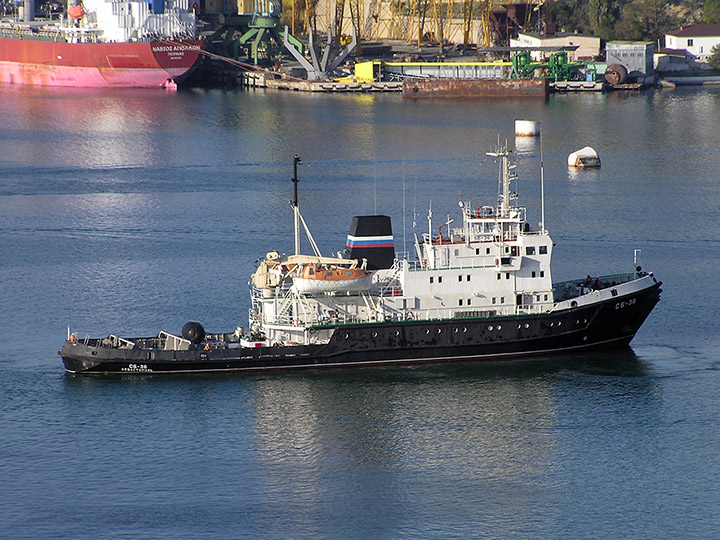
x: 371, y: 238
x: 28, y: 11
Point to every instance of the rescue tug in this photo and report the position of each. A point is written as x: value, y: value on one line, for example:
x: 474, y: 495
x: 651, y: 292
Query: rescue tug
x: 481, y: 291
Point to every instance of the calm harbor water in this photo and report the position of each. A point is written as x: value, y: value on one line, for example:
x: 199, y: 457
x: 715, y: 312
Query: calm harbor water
x: 135, y: 211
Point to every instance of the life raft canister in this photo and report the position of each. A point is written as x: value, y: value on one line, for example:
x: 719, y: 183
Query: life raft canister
x: 76, y: 12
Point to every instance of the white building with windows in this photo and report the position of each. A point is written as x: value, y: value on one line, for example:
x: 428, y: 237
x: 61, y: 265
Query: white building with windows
x: 588, y: 47
x: 697, y: 39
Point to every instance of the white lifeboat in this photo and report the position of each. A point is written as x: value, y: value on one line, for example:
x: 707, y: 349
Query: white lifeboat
x: 314, y: 278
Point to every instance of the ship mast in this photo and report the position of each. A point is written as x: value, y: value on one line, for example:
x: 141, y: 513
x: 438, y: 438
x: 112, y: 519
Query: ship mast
x: 298, y: 216
x: 503, y: 153
x: 542, y: 188
x: 296, y: 210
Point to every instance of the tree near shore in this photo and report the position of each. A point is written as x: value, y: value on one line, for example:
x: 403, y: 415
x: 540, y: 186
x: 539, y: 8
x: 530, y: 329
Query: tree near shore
x: 645, y: 20
x: 714, y: 59
x: 602, y: 15
x: 711, y: 12
x: 651, y: 17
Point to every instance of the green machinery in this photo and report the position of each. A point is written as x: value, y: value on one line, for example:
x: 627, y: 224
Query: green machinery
x: 557, y: 68
x: 257, y: 33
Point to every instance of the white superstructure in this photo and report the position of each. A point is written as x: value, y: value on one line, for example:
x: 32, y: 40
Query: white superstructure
x: 495, y: 263
x: 121, y: 21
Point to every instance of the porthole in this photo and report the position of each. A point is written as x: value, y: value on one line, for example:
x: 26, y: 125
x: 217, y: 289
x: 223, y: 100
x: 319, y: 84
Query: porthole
x: 552, y: 324
x: 464, y: 329
x: 439, y: 330
x: 490, y: 328
x: 559, y: 323
x: 519, y: 326
x: 499, y: 327
x: 527, y: 325
x: 374, y: 334
x: 347, y: 336
x: 456, y: 330
x: 397, y: 332
x: 427, y: 330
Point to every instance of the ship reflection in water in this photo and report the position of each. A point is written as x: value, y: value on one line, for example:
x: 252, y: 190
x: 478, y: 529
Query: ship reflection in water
x: 492, y: 432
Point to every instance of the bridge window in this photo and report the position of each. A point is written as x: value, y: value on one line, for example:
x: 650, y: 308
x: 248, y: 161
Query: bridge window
x: 530, y: 250
x: 460, y: 302
x: 533, y: 273
x: 543, y: 250
x: 431, y: 279
x: 542, y: 273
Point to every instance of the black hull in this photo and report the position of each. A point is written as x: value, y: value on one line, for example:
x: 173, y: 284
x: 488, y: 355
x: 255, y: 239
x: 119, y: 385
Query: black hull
x: 609, y: 324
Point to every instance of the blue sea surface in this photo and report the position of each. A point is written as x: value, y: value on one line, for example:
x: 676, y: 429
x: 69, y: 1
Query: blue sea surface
x: 134, y: 211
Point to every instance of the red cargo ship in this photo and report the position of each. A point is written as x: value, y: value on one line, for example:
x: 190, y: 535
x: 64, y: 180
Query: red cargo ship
x: 144, y: 64
x: 124, y: 43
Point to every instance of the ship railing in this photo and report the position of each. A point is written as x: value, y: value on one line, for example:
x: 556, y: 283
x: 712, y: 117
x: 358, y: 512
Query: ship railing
x: 259, y: 295
x: 436, y: 314
x: 459, y: 263
x: 171, y: 342
x: 117, y: 342
x: 331, y: 317
x: 467, y: 313
x: 564, y: 290
x: 530, y: 309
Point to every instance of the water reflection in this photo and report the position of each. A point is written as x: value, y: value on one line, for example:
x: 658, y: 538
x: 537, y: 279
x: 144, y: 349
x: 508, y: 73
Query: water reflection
x: 527, y: 145
x: 581, y: 174
x: 91, y: 127
x: 334, y: 451
x: 497, y: 423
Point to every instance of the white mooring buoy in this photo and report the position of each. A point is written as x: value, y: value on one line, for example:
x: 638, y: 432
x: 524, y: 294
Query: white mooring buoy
x: 585, y: 157
x: 527, y: 128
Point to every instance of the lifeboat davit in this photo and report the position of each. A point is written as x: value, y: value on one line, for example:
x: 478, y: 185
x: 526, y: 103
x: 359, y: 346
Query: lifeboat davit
x: 313, y: 278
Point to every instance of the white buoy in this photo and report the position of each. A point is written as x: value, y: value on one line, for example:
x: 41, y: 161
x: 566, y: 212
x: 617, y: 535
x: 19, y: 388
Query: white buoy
x: 585, y: 157
x: 527, y: 128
